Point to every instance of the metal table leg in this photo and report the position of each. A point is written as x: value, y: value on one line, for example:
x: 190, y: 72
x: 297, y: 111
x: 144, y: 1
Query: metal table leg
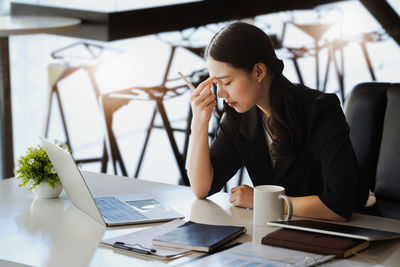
x: 6, y: 137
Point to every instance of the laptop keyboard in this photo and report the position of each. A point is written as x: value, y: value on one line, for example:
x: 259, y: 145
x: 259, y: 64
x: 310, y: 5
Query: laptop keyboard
x: 115, y: 210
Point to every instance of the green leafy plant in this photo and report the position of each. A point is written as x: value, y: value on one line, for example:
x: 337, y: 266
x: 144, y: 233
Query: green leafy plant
x: 35, y: 167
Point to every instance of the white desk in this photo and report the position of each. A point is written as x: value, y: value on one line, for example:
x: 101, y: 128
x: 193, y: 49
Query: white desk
x: 15, y: 25
x: 55, y: 233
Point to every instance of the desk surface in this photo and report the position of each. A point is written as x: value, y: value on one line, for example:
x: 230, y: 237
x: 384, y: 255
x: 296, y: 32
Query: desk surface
x: 53, y: 232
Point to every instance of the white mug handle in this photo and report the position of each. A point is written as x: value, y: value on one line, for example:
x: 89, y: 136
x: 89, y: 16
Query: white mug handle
x: 289, y: 214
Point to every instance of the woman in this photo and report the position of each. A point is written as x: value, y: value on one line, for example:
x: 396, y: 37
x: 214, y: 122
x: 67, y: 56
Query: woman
x: 284, y: 134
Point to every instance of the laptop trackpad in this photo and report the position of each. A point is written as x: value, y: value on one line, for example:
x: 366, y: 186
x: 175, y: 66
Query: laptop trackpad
x: 147, y: 205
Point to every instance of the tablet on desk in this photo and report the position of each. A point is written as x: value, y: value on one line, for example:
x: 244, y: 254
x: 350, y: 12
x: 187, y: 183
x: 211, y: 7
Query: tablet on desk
x: 336, y: 229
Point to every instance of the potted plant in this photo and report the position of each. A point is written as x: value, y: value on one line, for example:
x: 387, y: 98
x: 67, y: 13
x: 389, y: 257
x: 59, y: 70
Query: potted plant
x: 37, y: 173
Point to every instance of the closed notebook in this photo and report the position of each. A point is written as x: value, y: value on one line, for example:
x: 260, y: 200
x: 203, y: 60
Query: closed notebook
x: 342, y: 247
x: 200, y: 237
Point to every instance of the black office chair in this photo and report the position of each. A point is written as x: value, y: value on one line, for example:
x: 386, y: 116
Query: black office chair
x: 373, y: 113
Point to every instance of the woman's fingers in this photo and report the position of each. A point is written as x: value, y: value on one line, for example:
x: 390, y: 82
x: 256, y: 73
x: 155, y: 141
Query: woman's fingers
x: 232, y: 198
x: 201, y: 94
x: 205, y: 93
x: 205, y: 97
x: 207, y: 81
x: 211, y: 82
x: 206, y: 84
x: 240, y: 188
x: 234, y: 189
x: 242, y: 196
x: 203, y: 100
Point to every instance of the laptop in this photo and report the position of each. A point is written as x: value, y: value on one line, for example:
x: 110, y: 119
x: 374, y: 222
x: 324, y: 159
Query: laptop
x: 107, y: 210
x: 336, y: 229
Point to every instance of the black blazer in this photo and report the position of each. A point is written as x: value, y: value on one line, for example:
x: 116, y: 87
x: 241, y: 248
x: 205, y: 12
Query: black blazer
x: 324, y: 163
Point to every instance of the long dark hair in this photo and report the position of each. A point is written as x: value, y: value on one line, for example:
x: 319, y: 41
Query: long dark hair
x: 242, y: 45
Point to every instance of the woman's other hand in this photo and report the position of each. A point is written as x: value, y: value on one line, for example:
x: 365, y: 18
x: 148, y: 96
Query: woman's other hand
x: 203, y: 101
x: 242, y: 196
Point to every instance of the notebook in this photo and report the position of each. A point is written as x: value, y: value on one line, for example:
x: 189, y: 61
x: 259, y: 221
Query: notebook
x: 200, y: 237
x: 342, y: 247
x: 336, y: 229
x: 107, y: 210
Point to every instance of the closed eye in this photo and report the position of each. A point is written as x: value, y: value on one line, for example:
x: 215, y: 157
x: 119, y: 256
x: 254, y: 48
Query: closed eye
x: 228, y: 83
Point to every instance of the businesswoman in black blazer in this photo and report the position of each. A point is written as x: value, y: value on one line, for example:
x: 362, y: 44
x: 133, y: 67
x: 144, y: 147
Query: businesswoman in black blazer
x: 285, y: 134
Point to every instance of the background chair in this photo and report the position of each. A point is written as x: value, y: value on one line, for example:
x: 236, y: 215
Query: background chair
x: 113, y: 101
x: 338, y: 45
x: 311, y: 41
x: 373, y: 113
x: 69, y: 60
x: 188, y: 40
x: 193, y: 40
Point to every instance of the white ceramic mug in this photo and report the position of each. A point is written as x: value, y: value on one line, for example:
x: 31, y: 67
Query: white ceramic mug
x: 268, y: 204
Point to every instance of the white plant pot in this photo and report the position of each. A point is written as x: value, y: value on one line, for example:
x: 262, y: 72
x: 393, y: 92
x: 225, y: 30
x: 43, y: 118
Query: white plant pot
x: 44, y: 190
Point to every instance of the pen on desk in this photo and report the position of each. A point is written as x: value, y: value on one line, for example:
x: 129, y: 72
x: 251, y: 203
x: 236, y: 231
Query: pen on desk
x: 194, y: 88
x: 129, y: 247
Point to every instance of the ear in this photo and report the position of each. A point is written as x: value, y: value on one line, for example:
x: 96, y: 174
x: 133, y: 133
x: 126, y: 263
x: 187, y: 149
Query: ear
x: 260, y: 71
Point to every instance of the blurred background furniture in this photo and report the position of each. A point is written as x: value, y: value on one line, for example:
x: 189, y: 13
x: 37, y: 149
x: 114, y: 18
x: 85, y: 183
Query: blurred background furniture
x: 78, y: 56
x: 316, y: 31
x: 193, y: 40
x: 107, y: 21
x: 113, y: 101
x: 186, y: 40
x: 16, y: 25
x: 325, y: 25
x: 282, y: 51
x: 338, y: 45
x: 170, y: 87
x: 373, y: 113
x: 312, y: 28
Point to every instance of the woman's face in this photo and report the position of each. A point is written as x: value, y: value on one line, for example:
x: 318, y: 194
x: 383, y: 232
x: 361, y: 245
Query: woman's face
x: 237, y: 87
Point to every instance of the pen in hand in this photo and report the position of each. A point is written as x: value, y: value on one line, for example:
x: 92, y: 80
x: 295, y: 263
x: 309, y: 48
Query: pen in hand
x: 194, y: 88
x: 186, y: 81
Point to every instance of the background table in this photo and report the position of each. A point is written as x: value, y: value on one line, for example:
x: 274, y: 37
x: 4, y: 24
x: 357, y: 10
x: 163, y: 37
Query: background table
x: 15, y: 25
x: 126, y: 19
x: 53, y: 232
